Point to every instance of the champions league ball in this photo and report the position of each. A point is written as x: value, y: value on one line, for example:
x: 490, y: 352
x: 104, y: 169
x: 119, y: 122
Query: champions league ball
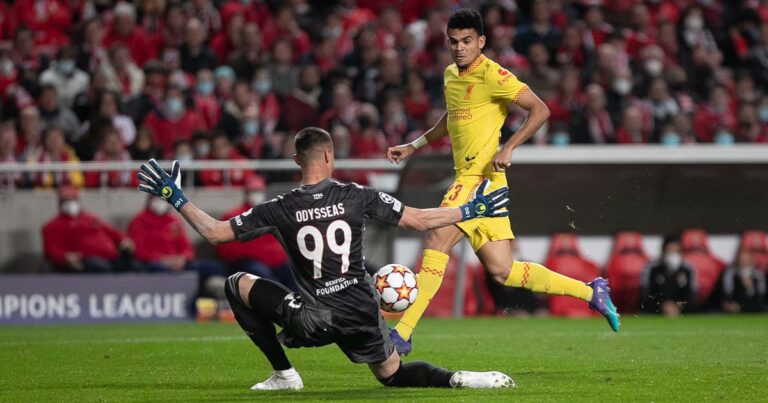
x: 396, y: 285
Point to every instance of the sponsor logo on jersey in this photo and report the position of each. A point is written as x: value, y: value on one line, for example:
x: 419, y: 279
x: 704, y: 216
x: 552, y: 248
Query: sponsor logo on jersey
x: 238, y: 221
x: 459, y: 114
x: 469, y: 157
x: 503, y: 72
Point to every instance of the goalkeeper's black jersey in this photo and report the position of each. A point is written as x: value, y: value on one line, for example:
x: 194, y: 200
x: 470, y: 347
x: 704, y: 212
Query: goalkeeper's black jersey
x: 321, y: 228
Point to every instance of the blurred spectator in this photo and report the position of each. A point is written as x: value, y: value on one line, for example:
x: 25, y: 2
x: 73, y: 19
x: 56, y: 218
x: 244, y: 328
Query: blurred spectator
x: 84, y: 103
x: 229, y: 38
x: 25, y: 55
x: 301, y: 108
x: 640, y: 32
x: 91, y: 52
x: 171, y: 62
x: 65, y: 77
x: 49, y: 20
x: 742, y: 285
x: 111, y: 149
x: 173, y: 120
x: 206, y: 12
x: 631, y: 129
x: 224, y: 81
x: 108, y: 105
x: 143, y: 147
x: 262, y: 256
x: 343, y: 108
x: 568, y: 101
x: 250, y: 54
x: 416, y: 101
x: 538, y: 29
x: 594, y: 125
x: 172, y: 29
x: 77, y: 241
x: 8, y: 180
x: 749, y: 129
x: 540, y: 75
x: 669, y: 284
x: 54, y: 114
x: 267, y: 101
x: 193, y: 53
x: 8, y: 73
x: 125, y: 31
x: 233, y: 113
x: 205, y: 99
x: 150, y: 18
x: 395, y: 124
x: 715, y: 117
x: 369, y: 140
x: 53, y: 148
x: 221, y: 149
x: 30, y: 132
x: 283, y: 74
x: 121, y: 72
x: 151, y: 95
x: 161, y: 242
x: 201, y: 145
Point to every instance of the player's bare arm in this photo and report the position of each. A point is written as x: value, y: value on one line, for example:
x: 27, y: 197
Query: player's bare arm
x: 155, y: 181
x: 213, y: 230
x: 399, y: 153
x: 538, y: 113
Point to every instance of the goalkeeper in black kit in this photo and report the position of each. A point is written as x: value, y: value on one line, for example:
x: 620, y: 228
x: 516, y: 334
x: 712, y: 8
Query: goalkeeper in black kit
x: 321, y: 225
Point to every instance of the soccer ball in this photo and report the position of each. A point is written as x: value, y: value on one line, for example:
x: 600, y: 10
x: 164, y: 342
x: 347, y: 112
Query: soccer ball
x: 396, y: 285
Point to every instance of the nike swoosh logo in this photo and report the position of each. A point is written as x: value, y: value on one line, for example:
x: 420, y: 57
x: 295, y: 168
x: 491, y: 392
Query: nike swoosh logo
x: 468, y: 158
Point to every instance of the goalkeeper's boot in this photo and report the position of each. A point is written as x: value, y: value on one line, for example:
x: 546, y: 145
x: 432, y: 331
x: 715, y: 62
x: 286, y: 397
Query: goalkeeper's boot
x: 402, y: 346
x: 601, y: 302
x: 288, y: 379
x: 481, y: 380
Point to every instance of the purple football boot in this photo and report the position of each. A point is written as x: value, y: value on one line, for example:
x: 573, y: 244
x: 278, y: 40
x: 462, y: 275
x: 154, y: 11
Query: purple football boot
x: 403, y: 347
x: 601, y: 302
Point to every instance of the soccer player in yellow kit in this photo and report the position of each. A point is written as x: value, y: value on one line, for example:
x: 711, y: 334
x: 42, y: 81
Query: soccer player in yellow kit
x: 477, y: 91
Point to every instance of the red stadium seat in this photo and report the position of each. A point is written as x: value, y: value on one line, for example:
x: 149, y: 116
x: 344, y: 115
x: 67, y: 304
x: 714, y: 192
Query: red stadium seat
x: 625, y: 269
x: 706, y: 266
x: 477, y: 299
x: 756, y: 241
x: 564, y: 257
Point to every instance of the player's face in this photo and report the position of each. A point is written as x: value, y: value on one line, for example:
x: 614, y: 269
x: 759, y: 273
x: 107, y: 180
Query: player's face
x: 465, y: 45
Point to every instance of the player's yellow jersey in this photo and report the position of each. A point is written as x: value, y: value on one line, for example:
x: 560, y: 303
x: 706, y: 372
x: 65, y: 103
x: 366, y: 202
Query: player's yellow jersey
x: 477, y: 100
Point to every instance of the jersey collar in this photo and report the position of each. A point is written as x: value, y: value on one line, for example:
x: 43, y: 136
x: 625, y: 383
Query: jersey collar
x: 480, y: 59
x: 308, y: 189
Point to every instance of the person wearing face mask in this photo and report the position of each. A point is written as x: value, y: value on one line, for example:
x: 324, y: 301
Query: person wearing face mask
x: 669, y: 283
x: 205, y: 99
x: 262, y: 256
x: 172, y: 120
x: 77, y: 241
x: 742, y: 286
x: 269, y: 105
x: 68, y: 79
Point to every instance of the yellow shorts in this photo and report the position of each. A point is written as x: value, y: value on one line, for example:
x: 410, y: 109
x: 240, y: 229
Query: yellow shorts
x: 480, y: 230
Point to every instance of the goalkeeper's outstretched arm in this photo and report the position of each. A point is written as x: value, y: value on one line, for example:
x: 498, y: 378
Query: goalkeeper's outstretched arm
x: 155, y: 181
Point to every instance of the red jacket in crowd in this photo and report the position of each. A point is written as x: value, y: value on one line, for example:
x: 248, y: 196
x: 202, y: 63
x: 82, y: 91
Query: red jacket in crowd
x: 232, y: 177
x: 49, y: 21
x: 158, y: 236
x: 85, y: 234
x: 165, y: 132
x: 141, y: 45
x: 265, y: 249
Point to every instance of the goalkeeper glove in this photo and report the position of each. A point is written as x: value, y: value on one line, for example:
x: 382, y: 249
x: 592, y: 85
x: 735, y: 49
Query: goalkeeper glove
x: 493, y: 204
x: 159, y: 183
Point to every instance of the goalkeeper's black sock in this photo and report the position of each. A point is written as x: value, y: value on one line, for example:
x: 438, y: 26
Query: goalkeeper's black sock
x: 419, y: 374
x: 258, y: 323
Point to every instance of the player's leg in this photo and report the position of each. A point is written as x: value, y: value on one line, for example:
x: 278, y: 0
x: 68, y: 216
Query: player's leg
x: 438, y: 243
x: 256, y: 304
x: 395, y: 373
x: 496, y: 256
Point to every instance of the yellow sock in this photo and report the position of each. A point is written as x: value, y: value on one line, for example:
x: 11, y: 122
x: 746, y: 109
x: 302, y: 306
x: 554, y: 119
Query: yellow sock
x: 537, y: 278
x: 429, y: 279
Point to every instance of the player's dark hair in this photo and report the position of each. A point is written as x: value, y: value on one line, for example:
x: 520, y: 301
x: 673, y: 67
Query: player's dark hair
x: 668, y: 239
x: 310, y: 137
x: 467, y: 18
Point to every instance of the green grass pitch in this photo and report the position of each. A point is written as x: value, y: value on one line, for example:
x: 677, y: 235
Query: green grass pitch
x: 692, y: 358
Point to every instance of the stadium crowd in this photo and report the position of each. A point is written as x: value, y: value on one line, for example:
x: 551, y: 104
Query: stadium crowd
x: 220, y: 79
